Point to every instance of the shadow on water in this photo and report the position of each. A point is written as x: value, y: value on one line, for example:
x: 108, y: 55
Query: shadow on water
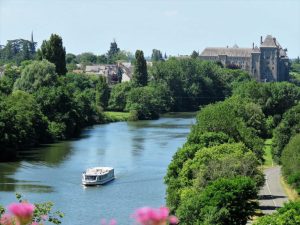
x: 13, y: 185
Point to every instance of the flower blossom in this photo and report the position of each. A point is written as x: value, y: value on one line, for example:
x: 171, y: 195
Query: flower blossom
x: 23, y: 211
x: 153, y: 216
x: 8, y: 219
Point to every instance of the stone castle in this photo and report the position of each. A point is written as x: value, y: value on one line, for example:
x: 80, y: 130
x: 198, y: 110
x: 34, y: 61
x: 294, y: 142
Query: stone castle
x: 267, y: 63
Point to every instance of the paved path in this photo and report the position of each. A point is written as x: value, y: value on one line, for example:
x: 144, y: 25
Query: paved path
x: 272, y: 195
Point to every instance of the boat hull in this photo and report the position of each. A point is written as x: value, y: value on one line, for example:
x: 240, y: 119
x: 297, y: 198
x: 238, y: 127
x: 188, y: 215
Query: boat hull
x: 96, y: 182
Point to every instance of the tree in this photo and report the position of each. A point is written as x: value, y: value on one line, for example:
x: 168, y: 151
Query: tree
x: 36, y: 75
x: 191, y: 82
x: 54, y: 52
x: 144, y: 103
x: 87, y: 58
x: 274, y: 98
x: 21, y: 122
x: 102, y: 93
x: 223, y: 202
x: 210, y: 164
x: 71, y: 58
x: 11, y: 74
x: 140, y: 74
x: 118, y: 96
x: 230, y: 117
x: 112, y: 52
x: 194, y: 55
x: 156, y: 55
x: 16, y: 51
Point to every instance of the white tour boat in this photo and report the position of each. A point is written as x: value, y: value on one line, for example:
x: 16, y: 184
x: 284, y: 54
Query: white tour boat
x: 97, y: 175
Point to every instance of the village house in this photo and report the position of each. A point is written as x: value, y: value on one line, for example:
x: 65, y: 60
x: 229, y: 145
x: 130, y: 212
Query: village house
x: 114, y: 73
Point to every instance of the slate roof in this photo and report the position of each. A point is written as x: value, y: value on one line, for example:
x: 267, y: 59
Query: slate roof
x: 231, y: 52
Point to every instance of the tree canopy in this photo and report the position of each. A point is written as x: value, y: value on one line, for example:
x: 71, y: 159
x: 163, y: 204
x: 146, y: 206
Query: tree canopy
x: 54, y: 51
x: 140, y: 74
x: 36, y: 75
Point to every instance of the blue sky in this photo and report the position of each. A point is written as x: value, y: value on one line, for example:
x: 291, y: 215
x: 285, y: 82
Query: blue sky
x: 173, y: 26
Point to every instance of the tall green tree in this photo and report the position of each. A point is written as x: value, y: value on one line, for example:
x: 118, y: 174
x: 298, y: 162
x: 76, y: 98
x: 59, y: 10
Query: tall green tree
x: 156, y: 55
x: 112, y: 52
x: 194, y: 55
x: 102, y: 92
x: 140, y: 74
x: 54, y: 51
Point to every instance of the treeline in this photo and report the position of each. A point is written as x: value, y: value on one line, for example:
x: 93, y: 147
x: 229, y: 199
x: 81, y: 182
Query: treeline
x: 16, y: 51
x: 215, y: 177
x: 173, y: 85
x: 40, y: 103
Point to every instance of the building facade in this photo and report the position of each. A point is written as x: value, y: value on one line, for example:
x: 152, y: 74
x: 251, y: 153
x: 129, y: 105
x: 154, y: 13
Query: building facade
x: 267, y: 63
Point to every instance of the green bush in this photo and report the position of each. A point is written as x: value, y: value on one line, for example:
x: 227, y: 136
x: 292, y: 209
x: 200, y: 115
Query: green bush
x: 223, y: 202
x: 234, y: 118
x: 289, y: 214
x: 210, y: 164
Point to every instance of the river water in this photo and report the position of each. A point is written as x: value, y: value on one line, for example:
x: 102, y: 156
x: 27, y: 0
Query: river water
x: 139, y: 151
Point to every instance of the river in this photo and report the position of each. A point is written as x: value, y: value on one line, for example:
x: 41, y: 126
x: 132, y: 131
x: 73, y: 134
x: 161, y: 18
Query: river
x: 139, y: 151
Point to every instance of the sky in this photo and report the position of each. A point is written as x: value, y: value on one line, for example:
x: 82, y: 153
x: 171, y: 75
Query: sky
x: 176, y: 27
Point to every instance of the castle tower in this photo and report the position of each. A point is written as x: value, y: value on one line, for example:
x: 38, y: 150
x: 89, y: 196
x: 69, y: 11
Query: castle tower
x: 269, y: 59
x: 255, y: 63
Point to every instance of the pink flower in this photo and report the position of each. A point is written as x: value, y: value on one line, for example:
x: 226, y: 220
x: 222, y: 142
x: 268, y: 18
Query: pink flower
x: 173, y: 220
x: 163, y: 213
x: 112, y: 222
x: 23, y: 211
x: 152, y: 216
x: 8, y: 219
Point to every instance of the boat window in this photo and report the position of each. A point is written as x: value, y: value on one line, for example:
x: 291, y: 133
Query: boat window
x: 90, y: 177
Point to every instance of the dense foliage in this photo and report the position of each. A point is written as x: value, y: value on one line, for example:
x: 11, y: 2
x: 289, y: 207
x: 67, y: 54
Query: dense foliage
x: 193, y: 82
x: 16, y: 51
x: 54, y: 51
x: 240, y: 119
x: 156, y: 55
x: 36, y: 75
x: 274, y: 98
x: 223, y: 202
x: 41, y: 106
x: 290, y: 160
x: 207, y: 164
x: 140, y: 73
x: 287, y: 215
x: 287, y: 128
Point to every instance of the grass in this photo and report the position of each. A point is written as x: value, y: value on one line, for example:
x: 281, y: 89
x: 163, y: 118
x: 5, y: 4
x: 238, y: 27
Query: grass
x: 268, y: 155
x: 290, y: 192
x: 116, y: 116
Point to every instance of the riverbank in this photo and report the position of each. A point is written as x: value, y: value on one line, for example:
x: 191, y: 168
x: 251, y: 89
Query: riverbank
x: 110, y: 116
